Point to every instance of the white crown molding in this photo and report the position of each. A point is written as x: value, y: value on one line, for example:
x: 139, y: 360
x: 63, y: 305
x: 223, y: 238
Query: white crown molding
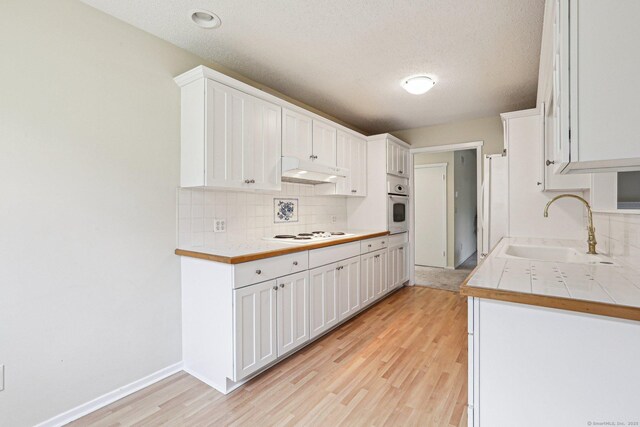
x: 389, y: 137
x: 521, y: 113
x: 110, y: 397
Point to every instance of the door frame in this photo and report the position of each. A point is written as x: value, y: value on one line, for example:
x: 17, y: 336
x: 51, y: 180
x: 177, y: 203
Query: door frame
x: 412, y: 226
x: 445, y: 210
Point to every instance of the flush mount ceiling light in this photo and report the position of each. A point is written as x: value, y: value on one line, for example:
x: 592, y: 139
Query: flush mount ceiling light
x: 417, y: 85
x: 205, y: 19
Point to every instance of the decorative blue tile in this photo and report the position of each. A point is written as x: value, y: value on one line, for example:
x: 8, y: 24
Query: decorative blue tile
x: 285, y: 210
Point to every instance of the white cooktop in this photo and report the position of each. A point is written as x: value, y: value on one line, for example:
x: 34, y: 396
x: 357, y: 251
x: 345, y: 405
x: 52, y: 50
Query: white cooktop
x: 308, y: 238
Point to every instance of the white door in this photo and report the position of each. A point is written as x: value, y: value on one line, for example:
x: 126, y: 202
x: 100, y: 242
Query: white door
x: 324, y: 143
x: 263, y: 136
x: 367, y: 268
x: 255, y: 328
x: 430, y: 189
x: 323, y: 299
x: 349, y: 286
x: 297, y: 135
x: 293, y: 311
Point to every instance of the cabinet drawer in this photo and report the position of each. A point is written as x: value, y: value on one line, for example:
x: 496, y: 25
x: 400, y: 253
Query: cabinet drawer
x: 328, y: 255
x: 398, y: 239
x: 371, y: 245
x: 269, y: 268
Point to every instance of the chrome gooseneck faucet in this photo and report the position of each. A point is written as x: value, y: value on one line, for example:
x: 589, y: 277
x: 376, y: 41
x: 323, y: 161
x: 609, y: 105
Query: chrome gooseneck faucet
x: 591, y: 240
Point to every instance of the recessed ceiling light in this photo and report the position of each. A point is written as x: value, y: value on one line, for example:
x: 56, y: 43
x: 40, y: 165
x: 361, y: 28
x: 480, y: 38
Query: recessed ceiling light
x: 417, y: 85
x: 205, y: 19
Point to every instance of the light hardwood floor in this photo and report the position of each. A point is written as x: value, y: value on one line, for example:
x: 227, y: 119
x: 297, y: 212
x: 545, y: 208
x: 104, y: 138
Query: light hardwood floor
x: 402, y: 362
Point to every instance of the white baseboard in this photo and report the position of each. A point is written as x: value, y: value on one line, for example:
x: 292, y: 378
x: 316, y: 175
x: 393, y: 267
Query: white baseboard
x: 110, y: 397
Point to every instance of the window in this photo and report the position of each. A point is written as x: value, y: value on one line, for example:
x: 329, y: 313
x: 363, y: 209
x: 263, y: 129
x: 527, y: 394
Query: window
x: 629, y: 190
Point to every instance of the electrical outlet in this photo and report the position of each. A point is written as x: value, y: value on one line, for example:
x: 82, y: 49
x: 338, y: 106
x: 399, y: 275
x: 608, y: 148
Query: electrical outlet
x: 334, y: 219
x: 1, y: 377
x: 219, y: 225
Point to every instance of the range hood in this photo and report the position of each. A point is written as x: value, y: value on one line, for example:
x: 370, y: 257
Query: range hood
x: 307, y: 172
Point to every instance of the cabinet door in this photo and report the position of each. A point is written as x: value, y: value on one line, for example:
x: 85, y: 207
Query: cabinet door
x: 293, y: 311
x: 397, y: 159
x: 367, y: 286
x: 349, y: 286
x: 358, y: 167
x: 263, y: 136
x: 324, y: 143
x: 380, y: 276
x: 323, y: 299
x: 344, y: 160
x: 224, y: 135
x: 255, y: 328
x: 394, y: 267
x: 297, y: 135
x: 392, y: 158
x: 403, y: 267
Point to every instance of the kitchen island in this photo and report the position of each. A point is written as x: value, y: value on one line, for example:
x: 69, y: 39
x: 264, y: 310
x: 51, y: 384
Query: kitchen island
x: 553, y: 342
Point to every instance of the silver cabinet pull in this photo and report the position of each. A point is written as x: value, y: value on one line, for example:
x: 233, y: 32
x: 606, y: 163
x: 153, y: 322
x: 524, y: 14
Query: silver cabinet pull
x: 253, y: 181
x: 400, y: 172
x: 275, y: 288
x: 258, y: 271
x: 383, y: 242
x: 282, y: 285
x: 246, y: 181
x: 369, y: 245
x: 550, y: 162
x: 354, y: 191
x: 295, y: 262
x: 402, y: 248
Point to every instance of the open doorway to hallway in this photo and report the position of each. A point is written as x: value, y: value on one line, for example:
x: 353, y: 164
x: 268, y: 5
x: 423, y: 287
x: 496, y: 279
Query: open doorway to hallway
x: 445, y: 228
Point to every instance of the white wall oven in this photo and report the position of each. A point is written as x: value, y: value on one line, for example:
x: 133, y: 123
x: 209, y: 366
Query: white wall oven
x: 398, y: 204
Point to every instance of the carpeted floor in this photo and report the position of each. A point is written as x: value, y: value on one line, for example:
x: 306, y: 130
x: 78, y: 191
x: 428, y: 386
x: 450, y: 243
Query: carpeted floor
x: 441, y: 278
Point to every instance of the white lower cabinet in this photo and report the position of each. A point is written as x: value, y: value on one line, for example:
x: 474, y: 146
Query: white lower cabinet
x: 323, y: 299
x: 348, y: 275
x: 255, y: 328
x: 234, y: 328
x: 373, y: 276
x: 380, y: 277
x: 398, y: 270
x: 293, y: 311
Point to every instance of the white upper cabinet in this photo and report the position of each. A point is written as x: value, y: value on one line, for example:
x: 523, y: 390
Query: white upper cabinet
x: 324, y: 143
x: 229, y: 139
x: 297, y: 135
x: 397, y: 159
x: 352, y: 155
x: 588, y: 80
x: 308, y: 139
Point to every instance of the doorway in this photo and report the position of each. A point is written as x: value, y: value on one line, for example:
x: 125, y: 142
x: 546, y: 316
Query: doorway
x: 445, y: 224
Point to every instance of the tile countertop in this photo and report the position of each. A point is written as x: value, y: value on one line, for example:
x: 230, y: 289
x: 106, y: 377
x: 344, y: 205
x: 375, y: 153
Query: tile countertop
x: 235, y: 253
x: 609, y: 290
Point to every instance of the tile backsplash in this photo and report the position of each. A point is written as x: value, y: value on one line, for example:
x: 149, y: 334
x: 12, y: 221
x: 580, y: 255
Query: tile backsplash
x: 618, y: 234
x: 251, y: 216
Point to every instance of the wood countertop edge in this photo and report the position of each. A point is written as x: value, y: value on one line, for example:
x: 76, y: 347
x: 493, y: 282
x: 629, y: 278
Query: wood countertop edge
x: 581, y: 306
x: 276, y: 252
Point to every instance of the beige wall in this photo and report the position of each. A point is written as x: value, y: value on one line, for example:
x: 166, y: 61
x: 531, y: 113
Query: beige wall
x: 89, y: 165
x: 445, y: 157
x: 488, y: 129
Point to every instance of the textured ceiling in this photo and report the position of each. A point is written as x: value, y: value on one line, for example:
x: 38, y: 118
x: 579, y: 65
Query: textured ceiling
x: 347, y: 57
